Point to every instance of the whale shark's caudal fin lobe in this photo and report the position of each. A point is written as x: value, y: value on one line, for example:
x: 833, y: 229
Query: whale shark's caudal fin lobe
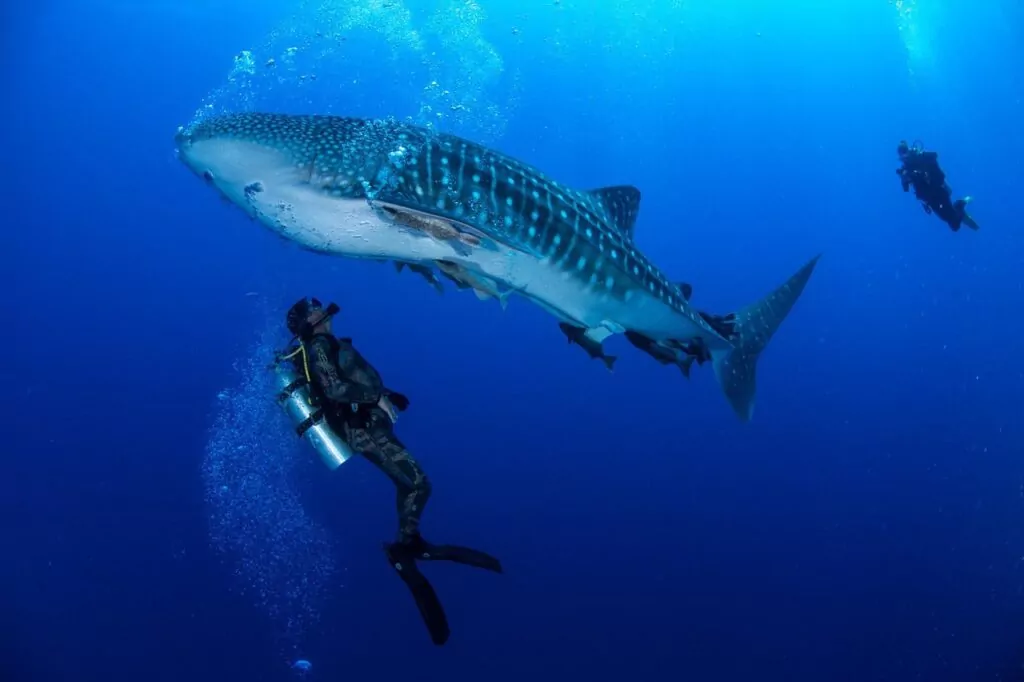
x: 736, y: 368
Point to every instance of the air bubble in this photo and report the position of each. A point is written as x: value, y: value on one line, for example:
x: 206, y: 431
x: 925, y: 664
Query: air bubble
x: 278, y: 556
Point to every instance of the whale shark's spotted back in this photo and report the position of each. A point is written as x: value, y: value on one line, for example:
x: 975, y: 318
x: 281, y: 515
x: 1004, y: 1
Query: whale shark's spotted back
x: 586, y: 235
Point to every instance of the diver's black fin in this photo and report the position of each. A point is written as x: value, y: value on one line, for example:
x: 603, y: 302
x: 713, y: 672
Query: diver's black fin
x: 401, y: 559
x: 686, y: 289
x: 621, y: 203
x: 459, y: 555
x: 967, y: 219
x: 609, y: 361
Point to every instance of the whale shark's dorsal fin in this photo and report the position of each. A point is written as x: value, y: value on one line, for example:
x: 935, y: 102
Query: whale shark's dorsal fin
x: 621, y: 203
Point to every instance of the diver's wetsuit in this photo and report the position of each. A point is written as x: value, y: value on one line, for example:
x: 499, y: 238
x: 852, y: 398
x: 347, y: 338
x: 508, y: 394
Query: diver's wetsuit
x: 920, y: 165
x: 352, y: 390
x: 939, y: 201
x: 921, y: 171
x: 360, y: 408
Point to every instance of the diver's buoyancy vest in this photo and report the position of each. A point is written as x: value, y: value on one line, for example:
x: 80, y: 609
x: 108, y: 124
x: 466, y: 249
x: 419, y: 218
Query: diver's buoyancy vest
x: 349, y: 411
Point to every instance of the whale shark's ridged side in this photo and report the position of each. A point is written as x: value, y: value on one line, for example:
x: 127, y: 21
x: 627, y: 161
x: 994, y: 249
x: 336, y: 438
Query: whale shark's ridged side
x: 449, y: 177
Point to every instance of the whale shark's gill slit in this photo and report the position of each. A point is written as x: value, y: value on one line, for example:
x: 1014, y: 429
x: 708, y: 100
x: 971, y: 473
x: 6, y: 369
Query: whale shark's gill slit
x: 310, y: 169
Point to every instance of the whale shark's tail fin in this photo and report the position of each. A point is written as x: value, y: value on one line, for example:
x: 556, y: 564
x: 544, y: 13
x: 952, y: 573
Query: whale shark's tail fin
x: 736, y: 368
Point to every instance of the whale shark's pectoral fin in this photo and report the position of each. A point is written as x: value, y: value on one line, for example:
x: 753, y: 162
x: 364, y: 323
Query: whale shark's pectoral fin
x: 424, y: 272
x: 597, y: 334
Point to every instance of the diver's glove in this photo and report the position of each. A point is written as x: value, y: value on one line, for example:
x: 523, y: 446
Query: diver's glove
x: 400, y: 402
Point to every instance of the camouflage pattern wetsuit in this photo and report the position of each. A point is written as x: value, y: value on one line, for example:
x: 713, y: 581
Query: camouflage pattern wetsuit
x: 350, y: 389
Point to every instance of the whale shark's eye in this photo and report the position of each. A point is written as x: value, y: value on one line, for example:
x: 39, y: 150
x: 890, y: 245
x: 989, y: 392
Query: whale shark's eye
x: 208, y: 176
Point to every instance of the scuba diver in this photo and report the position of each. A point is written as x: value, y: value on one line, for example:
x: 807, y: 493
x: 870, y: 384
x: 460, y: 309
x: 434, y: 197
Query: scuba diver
x: 360, y: 408
x: 920, y: 170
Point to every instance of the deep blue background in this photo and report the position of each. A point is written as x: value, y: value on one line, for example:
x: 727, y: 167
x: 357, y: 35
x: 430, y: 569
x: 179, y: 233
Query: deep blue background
x: 865, y: 526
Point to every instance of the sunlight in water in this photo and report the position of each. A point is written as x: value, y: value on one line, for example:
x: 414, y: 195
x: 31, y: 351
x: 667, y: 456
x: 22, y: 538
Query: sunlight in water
x: 302, y: 63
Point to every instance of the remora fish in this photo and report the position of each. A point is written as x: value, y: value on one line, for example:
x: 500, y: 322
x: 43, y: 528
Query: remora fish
x: 381, y: 189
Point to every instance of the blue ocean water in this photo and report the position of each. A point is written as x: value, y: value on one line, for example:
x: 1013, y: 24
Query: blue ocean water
x: 160, y: 522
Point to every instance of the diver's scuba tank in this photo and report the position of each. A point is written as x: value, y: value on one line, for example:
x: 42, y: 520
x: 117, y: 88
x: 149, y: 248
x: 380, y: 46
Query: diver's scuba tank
x: 309, y: 420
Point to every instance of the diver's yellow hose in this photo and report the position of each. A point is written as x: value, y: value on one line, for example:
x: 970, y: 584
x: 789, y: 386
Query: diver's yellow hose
x: 305, y: 364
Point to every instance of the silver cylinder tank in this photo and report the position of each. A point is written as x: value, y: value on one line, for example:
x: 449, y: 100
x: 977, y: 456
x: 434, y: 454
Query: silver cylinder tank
x: 308, y: 420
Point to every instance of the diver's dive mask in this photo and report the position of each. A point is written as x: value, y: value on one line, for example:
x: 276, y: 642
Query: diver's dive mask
x: 298, y: 317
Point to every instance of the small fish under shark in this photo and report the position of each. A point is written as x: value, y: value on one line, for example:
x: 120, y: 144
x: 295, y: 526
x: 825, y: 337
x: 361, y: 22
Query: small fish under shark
x: 384, y: 190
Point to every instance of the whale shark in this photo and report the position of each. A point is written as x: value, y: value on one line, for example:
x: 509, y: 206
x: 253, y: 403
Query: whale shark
x: 386, y: 190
